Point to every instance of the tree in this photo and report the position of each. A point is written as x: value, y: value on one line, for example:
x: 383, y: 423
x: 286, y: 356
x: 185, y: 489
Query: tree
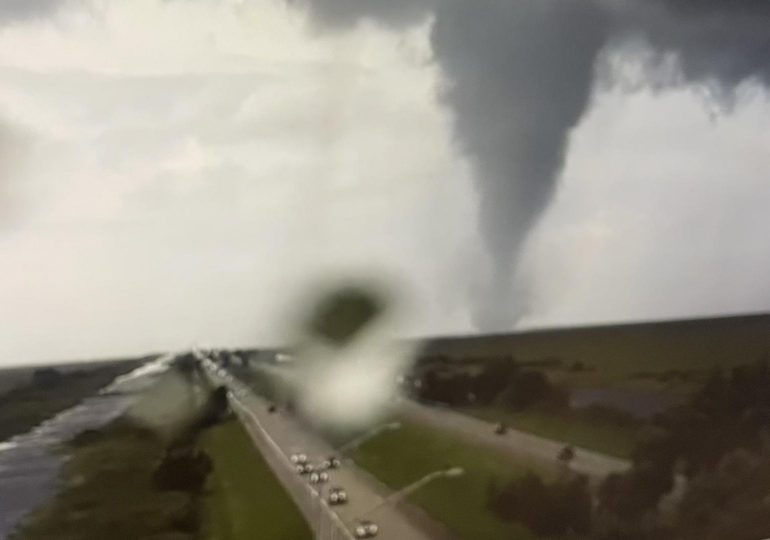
x: 529, y: 388
x: 183, y: 469
x: 563, y: 507
x: 730, y: 501
x: 728, y: 415
x: 566, y: 455
x: 216, y: 408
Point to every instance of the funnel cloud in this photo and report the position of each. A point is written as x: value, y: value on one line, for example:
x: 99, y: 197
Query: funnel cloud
x: 520, y: 76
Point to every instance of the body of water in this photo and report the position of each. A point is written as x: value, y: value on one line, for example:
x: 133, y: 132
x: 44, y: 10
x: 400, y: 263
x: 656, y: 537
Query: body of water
x: 30, y: 463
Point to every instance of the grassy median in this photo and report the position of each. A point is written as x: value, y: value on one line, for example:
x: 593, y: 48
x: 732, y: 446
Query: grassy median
x: 244, y: 500
x: 400, y: 457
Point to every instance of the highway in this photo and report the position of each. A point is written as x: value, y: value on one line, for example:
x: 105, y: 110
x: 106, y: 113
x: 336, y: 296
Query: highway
x: 287, y: 436
x: 516, y: 443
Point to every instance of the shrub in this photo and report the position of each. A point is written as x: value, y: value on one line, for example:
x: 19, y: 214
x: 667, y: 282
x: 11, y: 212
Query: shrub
x: 563, y: 507
x: 530, y: 388
x: 183, y: 469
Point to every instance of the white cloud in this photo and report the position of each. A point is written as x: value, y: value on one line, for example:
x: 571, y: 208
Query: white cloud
x: 192, y: 164
x: 662, y: 212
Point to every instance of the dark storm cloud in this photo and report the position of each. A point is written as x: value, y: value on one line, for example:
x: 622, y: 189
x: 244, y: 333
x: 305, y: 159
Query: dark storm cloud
x: 22, y: 9
x: 336, y: 13
x: 520, y: 78
x: 716, y: 42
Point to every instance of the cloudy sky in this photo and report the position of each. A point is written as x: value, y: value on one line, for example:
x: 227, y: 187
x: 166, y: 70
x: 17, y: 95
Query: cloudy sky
x: 181, y: 171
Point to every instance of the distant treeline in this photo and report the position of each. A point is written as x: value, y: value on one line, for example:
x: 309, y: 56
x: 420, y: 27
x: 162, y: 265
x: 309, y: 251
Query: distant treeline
x: 496, y: 381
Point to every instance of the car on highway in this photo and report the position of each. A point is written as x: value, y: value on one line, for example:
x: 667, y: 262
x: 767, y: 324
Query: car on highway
x: 283, y: 357
x: 337, y: 495
x: 319, y: 477
x: 304, y: 468
x: 298, y: 458
x: 500, y: 429
x: 332, y: 462
x: 366, y: 529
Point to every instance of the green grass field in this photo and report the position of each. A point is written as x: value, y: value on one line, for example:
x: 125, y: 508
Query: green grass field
x: 400, y: 457
x: 605, y: 437
x: 245, y: 501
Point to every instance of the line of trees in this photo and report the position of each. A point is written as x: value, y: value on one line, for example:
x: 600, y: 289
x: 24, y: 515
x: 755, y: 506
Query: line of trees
x: 498, y: 381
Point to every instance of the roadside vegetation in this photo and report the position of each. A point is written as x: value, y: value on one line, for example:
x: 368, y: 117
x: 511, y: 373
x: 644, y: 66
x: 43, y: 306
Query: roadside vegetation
x: 556, y: 509
x: 716, y: 446
x: 50, y: 391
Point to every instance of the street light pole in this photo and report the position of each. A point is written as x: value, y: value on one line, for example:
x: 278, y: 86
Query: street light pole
x: 350, y: 445
x: 452, y: 472
x: 358, y: 441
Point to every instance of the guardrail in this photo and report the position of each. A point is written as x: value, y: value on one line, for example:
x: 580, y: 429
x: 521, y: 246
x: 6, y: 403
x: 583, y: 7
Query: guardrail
x: 323, y: 521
